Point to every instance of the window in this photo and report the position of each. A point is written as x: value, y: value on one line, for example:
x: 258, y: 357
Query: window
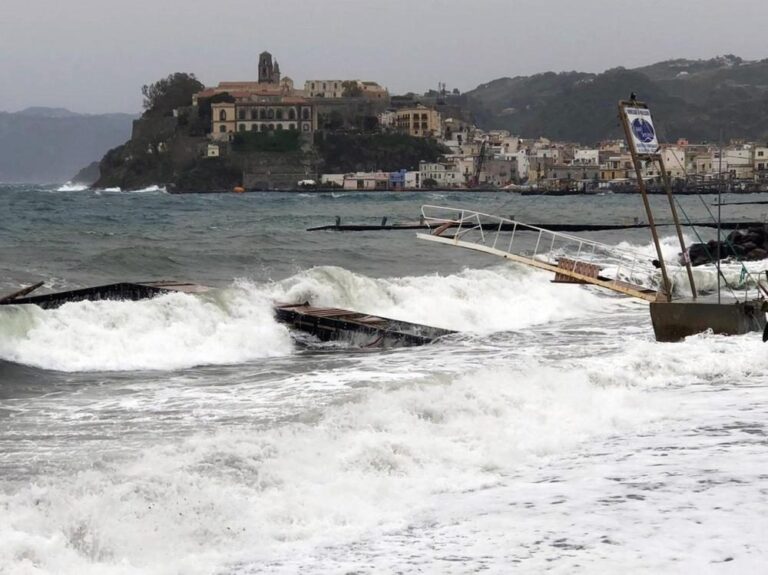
x: 254, y: 114
x: 270, y: 114
x: 760, y: 154
x: 291, y: 114
x: 222, y: 129
x: 305, y: 127
x: 241, y: 127
x: 264, y: 127
x: 279, y: 114
x: 254, y: 127
x: 241, y: 114
x: 223, y: 115
x: 263, y: 114
x: 291, y: 126
x: 305, y: 114
x: 271, y: 126
x: 279, y: 127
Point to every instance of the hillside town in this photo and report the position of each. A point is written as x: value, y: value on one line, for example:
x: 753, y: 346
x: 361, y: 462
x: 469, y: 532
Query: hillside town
x: 472, y: 158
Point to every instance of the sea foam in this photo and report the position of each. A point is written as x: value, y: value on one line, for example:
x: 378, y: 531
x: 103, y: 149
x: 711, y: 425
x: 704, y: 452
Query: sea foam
x: 168, y: 332
x: 241, y: 499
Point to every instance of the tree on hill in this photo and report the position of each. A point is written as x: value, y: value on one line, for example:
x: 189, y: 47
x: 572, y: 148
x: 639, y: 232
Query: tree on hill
x: 175, y: 91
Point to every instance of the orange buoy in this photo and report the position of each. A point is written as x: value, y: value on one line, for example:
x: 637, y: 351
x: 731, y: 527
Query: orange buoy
x: 238, y: 189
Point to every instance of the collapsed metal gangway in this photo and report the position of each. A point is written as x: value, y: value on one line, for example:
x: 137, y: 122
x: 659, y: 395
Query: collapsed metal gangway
x: 572, y: 259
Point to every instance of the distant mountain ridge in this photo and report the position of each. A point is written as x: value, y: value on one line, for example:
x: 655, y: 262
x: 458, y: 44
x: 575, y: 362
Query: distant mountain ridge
x: 48, y: 145
x: 695, y: 99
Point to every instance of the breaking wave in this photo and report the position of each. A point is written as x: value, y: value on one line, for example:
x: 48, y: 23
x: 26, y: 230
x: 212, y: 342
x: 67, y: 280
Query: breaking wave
x: 72, y: 187
x: 169, y: 332
x: 505, y: 297
x: 237, y: 325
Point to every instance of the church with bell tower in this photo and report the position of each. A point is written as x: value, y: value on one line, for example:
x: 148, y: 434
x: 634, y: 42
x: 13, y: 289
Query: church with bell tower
x: 269, y: 72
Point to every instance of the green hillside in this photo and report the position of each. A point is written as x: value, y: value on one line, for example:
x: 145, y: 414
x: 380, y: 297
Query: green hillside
x: 696, y: 99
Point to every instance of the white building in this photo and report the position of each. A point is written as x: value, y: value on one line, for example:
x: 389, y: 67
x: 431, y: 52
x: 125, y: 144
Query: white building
x: 739, y: 163
x: 674, y: 161
x: 446, y: 175
x: 412, y: 180
x: 332, y: 180
x: 761, y: 163
x: 324, y: 88
x: 588, y: 157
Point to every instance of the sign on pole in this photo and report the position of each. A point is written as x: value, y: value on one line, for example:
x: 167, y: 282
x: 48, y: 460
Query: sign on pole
x: 642, y: 130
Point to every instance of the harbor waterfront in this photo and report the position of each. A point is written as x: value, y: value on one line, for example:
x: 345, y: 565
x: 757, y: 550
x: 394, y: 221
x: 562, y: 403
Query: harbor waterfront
x: 196, y: 434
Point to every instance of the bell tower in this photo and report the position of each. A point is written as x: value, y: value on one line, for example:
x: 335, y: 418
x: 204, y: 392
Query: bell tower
x: 266, y: 69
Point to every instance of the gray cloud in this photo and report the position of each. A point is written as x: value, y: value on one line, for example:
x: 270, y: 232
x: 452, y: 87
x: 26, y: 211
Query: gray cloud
x: 94, y: 55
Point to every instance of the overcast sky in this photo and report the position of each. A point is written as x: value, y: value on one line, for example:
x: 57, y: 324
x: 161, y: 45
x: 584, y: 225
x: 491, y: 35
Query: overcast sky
x: 94, y: 55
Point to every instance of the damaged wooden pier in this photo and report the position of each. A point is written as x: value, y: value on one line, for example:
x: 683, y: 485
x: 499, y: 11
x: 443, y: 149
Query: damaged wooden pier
x: 326, y: 324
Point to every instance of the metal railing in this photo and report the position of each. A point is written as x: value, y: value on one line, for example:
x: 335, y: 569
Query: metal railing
x: 508, y: 236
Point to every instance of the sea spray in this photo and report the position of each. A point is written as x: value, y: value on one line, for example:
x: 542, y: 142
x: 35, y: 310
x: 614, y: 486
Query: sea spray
x: 72, y: 187
x: 505, y: 297
x: 168, y: 332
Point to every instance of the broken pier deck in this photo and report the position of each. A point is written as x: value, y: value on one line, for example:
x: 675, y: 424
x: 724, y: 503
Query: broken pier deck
x: 327, y: 324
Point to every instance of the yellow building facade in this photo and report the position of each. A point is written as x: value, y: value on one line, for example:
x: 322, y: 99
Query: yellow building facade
x: 420, y: 121
x: 262, y: 115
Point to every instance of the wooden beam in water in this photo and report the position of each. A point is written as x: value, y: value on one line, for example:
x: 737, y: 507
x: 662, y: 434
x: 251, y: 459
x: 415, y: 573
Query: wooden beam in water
x: 624, y: 288
x: 21, y: 293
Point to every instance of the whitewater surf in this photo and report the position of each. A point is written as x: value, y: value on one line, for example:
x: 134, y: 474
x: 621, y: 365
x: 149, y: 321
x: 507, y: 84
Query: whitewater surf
x: 194, y: 434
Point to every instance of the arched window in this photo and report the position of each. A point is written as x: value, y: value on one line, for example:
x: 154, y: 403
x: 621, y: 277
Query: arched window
x: 305, y: 114
x: 241, y: 127
x: 270, y: 113
x: 254, y: 114
x: 271, y: 126
x: 279, y: 127
x: 279, y: 114
x: 291, y: 114
x: 241, y: 114
x: 222, y: 128
x: 292, y: 126
x: 223, y: 115
x: 264, y: 127
x: 305, y: 127
x: 254, y: 127
x: 263, y: 114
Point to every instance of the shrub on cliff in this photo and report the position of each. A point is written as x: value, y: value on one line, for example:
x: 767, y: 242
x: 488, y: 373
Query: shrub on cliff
x: 280, y: 141
x: 175, y: 91
x: 343, y: 153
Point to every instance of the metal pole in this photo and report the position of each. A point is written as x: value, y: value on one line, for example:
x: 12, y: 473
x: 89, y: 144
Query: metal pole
x: 665, y: 283
x: 673, y: 209
x: 719, y: 202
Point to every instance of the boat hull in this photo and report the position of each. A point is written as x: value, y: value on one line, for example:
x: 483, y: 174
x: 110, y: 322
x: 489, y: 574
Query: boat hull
x: 674, y: 321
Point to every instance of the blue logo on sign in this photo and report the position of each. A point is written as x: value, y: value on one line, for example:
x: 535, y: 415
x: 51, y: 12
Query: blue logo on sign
x: 643, y: 130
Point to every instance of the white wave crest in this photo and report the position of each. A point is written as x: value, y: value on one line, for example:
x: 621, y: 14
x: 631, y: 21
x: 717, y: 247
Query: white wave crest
x: 150, y: 189
x: 72, y: 187
x: 505, y: 297
x: 169, y: 332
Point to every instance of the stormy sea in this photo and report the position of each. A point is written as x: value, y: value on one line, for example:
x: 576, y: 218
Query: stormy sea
x: 194, y: 434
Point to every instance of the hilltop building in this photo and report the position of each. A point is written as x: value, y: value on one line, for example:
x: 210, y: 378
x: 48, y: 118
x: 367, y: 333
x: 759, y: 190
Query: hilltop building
x: 262, y: 114
x: 270, y: 104
x: 419, y: 121
x: 335, y: 89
